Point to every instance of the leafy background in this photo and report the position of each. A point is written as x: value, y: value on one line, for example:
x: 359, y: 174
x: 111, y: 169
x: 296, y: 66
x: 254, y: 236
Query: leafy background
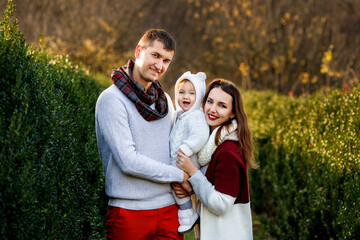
x: 291, y: 47
x: 296, y: 64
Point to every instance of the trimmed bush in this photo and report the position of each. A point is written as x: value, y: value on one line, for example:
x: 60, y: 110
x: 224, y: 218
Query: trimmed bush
x: 50, y: 175
x: 308, y: 183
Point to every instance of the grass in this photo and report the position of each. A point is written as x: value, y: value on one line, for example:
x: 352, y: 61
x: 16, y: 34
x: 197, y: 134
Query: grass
x: 190, y: 235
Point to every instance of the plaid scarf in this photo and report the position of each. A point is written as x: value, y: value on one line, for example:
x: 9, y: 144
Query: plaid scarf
x: 122, y: 78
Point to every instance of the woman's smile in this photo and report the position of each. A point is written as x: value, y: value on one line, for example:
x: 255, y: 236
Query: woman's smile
x: 212, y: 117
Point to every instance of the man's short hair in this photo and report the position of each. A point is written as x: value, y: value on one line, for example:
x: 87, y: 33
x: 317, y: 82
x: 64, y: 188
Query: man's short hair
x: 157, y: 34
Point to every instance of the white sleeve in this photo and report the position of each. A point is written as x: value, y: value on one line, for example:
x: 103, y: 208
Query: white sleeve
x: 198, y: 133
x: 217, y: 202
x: 220, y: 203
x: 113, y: 125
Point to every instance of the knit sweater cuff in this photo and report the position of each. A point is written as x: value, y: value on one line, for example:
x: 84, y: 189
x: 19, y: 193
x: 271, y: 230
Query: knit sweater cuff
x: 185, y: 149
x: 201, y: 186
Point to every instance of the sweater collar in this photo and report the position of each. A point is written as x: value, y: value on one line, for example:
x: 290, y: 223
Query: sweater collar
x: 209, y: 148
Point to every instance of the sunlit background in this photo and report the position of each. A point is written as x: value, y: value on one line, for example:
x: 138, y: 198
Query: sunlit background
x: 292, y: 47
x: 296, y: 63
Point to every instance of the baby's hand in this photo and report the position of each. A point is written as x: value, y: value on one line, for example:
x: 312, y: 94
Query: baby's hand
x: 179, y: 190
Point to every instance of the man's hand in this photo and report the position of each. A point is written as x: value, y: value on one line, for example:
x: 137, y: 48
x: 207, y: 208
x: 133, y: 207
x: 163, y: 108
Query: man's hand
x: 186, y: 185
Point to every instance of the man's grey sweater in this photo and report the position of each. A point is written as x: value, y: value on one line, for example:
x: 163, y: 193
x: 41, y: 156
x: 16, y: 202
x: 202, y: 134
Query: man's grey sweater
x: 134, y: 153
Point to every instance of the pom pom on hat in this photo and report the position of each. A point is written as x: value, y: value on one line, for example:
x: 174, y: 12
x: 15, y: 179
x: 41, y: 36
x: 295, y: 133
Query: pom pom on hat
x: 201, y: 76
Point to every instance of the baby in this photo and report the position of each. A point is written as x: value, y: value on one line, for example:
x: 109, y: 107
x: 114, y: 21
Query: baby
x: 190, y: 132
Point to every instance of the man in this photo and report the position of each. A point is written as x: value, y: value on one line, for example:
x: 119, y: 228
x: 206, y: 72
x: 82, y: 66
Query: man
x: 133, y: 122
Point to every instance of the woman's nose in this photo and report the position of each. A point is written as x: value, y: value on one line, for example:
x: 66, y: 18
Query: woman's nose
x: 212, y: 108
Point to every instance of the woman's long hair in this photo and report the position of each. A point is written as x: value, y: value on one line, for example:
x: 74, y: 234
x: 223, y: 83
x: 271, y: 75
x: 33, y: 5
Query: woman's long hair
x: 245, y: 138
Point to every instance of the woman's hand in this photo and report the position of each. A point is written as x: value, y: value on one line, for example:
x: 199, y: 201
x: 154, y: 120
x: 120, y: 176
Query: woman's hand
x: 179, y: 191
x: 185, y: 163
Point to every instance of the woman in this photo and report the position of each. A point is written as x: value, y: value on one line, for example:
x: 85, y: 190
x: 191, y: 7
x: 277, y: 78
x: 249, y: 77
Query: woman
x: 222, y: 183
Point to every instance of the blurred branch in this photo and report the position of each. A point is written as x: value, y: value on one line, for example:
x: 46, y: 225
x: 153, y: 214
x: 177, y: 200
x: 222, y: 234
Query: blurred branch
x: 263, y: 44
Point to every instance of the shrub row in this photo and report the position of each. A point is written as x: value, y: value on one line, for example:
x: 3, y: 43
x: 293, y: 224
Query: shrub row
x: 308, y: 183
x: 50, y: 174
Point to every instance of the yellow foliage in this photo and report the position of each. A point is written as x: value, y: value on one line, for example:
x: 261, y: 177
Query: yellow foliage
x: 248, y: 13
x: 218, y: 40
x: 264, y: 67
x: 236, y: 12
x: 282, y: 60
x: 338, y: 74
x: 245, y: 4
x: 290, y: 54
x: 304, y: 77
x: 291, y: 41
x: 252, y: 39
x: 327, y: 57
x: 314, y: 79
x: 287, y: 16
x: 324, y: 68
x: 244, y: 69
x: 105, y: 25
x: 89, y: 45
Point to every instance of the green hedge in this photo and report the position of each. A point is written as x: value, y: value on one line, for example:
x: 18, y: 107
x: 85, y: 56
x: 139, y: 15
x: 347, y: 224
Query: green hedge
x: 307, y: 186
x: 308, y: 183
x: 50, y: 175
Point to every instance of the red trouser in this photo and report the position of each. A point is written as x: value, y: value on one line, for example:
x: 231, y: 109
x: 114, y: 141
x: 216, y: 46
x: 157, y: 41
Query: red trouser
x: 154, y: 224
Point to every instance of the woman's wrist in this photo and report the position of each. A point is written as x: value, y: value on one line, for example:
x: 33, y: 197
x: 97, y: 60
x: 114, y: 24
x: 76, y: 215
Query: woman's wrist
x: 192, y: 171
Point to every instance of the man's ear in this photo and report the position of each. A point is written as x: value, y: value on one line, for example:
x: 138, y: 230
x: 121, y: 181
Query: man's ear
x: 137, y: 51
